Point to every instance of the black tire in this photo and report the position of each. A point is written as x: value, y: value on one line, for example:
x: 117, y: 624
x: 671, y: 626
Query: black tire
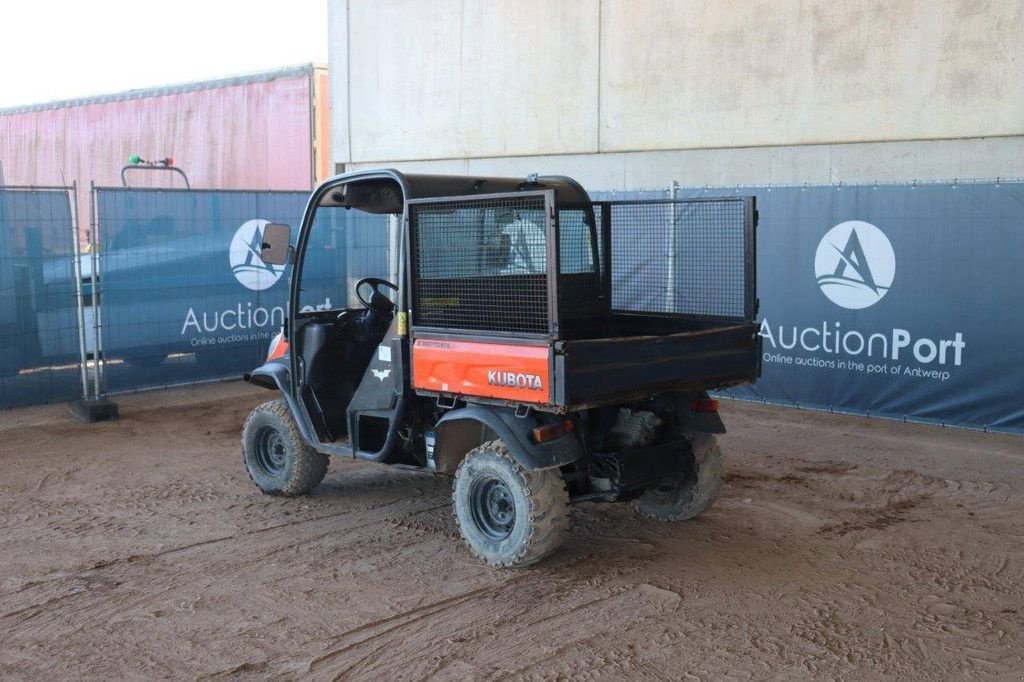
x: 688, y: 496
x: 279, y: 462
x: 509, y: 516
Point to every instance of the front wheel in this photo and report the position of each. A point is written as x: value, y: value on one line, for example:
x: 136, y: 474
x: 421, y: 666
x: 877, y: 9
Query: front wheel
x: 687, y: 496
x: 509, y: 516
x: 278, y: 460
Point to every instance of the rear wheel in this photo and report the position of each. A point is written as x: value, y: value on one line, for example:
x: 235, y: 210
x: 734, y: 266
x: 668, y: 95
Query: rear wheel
x: 277, y: 458
x: 687, y: 496
x: 509, y: 516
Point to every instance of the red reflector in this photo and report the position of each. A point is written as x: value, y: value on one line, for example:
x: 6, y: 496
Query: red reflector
x: 548, y: 432
x: 280, y: 347
x: 704, y: 405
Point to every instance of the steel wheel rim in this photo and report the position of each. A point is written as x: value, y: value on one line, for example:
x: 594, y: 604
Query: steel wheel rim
x: 271, y: 453
x: 493, y: 508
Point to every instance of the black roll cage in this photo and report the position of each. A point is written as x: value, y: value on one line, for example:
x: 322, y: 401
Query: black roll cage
x: 569, y: 194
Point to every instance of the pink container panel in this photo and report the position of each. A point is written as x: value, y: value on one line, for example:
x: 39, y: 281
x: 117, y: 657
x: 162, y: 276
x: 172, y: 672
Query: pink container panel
x: 255, y: 135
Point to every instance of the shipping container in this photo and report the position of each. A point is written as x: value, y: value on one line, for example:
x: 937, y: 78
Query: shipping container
x: 264, y: 130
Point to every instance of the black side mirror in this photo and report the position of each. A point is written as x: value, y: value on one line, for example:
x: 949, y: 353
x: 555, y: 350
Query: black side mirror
x: 275, y: 249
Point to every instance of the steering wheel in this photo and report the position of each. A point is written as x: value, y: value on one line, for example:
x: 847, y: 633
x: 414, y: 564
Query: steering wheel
x: 374, y: 283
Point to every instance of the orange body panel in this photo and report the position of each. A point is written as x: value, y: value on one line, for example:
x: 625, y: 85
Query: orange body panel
x: 489, y: 370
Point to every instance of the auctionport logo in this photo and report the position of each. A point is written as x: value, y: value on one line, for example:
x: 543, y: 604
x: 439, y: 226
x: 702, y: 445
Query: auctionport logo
x: 855, y: 265
x: 249, y: 269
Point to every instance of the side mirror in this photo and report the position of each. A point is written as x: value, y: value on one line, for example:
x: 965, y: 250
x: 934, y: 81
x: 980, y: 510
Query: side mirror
x: 275, y: 249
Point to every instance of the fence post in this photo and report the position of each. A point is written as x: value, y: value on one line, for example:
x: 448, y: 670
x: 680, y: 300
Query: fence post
x: 93, y: 408
x: 94, y: 254
x: 672, y: 285
x: 76, y: 251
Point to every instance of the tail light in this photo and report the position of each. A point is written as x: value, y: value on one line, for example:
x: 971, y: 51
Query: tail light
x: 704, y: 405
x: 546, y: 432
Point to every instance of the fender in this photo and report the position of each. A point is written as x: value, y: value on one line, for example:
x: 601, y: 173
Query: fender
x: 459, y: 431
x: 272, y: 375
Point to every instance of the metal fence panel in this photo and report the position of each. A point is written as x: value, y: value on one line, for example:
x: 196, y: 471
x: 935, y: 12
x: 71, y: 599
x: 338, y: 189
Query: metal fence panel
x: 901, y: 301
x: 184, y: 296
x: 39, y: 341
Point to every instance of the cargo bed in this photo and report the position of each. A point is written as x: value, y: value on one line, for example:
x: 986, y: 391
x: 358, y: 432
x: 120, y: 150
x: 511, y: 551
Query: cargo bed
x: 566, y: 306
x: 608, y: 370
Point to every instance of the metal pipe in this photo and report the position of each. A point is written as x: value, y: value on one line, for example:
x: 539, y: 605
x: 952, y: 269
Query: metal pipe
x: 99, y: 308
x: 394, y: 248
x: 173, y: 169
x: 93, y: 252
x: 672, y: 284
x: 76, y: 251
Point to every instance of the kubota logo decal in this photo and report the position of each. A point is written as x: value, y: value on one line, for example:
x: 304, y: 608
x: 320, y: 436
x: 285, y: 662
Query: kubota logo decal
x: 855, y: 264
x: 250, y: 270
x: 514, y: 380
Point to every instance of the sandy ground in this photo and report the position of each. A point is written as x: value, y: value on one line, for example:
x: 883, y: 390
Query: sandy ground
x: 841, y: 547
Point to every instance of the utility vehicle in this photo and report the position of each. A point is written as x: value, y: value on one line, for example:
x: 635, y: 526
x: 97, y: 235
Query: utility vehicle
x: 540, y: 347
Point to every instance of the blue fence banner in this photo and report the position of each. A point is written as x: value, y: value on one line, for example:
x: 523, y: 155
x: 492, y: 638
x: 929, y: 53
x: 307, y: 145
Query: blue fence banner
x: 185, y: 296
x: 902, y: 301
x: 39, y: 341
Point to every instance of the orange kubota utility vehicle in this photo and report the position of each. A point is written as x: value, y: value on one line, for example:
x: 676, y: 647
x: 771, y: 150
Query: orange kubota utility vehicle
x: 541, y: 348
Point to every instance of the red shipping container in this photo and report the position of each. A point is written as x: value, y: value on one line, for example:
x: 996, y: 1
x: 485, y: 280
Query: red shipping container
x: 265, y: 130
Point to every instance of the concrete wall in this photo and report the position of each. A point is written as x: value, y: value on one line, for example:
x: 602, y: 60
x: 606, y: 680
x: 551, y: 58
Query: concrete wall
x: 445, y: 78
x: 631, y: 93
